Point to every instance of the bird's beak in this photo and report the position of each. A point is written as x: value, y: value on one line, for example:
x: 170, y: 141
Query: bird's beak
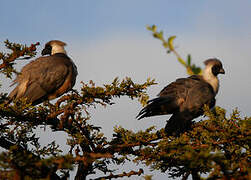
x: 222, y: 71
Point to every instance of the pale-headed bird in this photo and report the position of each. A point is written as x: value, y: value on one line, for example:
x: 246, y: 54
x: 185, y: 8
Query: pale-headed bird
x: 47, y: 77
x: 185, y: 98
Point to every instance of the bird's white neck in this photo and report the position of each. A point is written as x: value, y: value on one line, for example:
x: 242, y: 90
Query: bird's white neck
x: 57, y: 49
x: 210, y: 78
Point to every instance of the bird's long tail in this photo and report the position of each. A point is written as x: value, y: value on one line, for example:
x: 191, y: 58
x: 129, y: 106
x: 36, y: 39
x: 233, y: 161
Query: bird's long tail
x: 157, y: 106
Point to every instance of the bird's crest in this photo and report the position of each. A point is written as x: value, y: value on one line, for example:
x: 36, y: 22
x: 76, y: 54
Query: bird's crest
x: 56, y: 42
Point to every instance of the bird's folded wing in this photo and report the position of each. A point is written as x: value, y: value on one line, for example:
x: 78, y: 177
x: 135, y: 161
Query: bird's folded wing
x: 189, y: 93
x: 45, y: 75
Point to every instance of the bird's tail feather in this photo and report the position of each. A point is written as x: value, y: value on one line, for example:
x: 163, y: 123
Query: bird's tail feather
x: 157, y: 106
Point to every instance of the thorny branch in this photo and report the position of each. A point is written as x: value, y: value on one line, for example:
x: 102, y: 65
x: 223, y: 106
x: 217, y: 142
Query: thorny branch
x: 18, y: 50
x: 124, y: 174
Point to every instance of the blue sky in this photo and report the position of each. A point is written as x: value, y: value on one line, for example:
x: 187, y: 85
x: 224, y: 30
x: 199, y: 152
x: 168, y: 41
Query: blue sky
x: 86, y: 19
x: 31, y: 20
x: 108, y: 38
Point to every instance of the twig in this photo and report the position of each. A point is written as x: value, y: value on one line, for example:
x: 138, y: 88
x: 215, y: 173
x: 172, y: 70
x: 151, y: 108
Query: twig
x: 124, y: 174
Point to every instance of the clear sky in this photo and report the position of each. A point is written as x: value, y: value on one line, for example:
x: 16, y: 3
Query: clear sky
x: 108, y: 38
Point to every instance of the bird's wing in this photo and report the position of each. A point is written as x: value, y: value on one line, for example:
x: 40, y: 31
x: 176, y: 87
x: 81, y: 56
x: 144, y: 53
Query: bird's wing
x: 178, y: 87
x: 169, y: 100
x: 199, y: 94
x: 44, y: 75
x: 185, y: 94
x: 190, y: 93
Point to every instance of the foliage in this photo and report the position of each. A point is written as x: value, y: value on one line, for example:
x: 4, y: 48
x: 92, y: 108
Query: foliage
x: 218, y: 146
x: 168, y: 44
x: 17, y: 50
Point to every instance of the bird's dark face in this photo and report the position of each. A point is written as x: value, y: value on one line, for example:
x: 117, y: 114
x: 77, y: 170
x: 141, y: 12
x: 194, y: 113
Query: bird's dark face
x: 47, y: 50
x: 215, y: 65
x: 218, y: 69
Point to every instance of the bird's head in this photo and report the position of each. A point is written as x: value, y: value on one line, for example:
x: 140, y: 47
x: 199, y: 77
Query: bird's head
x: 214, y: 66
x: 212, y: 69
x: 53, y: 47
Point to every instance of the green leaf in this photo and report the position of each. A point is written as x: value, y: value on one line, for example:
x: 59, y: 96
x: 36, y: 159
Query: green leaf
x: 154, y: 28
x: 170, y: 42
x: 148, y: 27
x: 188, y: 59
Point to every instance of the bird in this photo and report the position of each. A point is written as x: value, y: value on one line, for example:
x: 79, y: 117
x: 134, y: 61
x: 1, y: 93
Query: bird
x: 185, y: 98
x: 46, y: 77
